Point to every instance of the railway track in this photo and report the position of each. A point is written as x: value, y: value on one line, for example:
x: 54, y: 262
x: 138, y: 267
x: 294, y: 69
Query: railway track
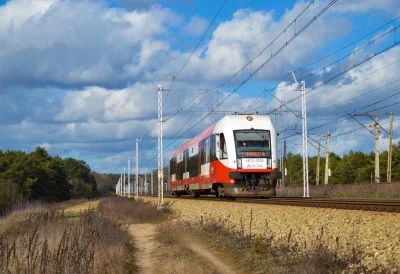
x: 381, y: 205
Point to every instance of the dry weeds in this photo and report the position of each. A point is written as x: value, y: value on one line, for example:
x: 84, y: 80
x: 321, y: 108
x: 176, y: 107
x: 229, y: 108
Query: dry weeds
x: 383, y: 190
x: 375, y: 236
x: 42, y: 240
x: 124, y: 210
x: 176, y: 256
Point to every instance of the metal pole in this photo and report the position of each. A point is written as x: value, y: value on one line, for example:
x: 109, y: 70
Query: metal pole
x: 284, y: 161
x: 389, y: 169
x: 305, y: 140
x: 281, y: 163
x: 129, y: 176
x: 137, y: 168
x: 318, y: 159
x: 151, y: 182
x: 327, y: 157
x: 160, y: 149
x: 145, y: 184
x: 120, y: 191
x: 116, y: 188
x: 124, y: 183
x: 377, y: 179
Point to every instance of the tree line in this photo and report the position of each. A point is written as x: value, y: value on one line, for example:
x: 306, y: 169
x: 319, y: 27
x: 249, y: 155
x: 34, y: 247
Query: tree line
x: 354, y: 167
x: 40, y: 176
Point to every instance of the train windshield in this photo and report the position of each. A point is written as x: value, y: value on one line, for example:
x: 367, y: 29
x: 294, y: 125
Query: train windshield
x: 253, y: 143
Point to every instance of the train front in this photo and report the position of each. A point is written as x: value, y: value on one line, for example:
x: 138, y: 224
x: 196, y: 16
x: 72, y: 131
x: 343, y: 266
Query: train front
x: 253, y: 167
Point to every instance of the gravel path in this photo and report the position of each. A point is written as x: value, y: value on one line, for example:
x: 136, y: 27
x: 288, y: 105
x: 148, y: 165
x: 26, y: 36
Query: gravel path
x: 145, y: 244
x: 376, y: 234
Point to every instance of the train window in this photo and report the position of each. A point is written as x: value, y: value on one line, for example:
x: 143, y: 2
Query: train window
x: 252, y: 143
x: 203, y: 151
x: 187, y: 163
x: 172, y: 166
x: 179, y: 170
x: 213, y: 155
x: 222, y: 146
x: 207, y: 150
x: 194, y: 170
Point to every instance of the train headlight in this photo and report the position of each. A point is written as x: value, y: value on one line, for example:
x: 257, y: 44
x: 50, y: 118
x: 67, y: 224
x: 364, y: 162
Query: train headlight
x: 239, y: 163
x: 269, y: 163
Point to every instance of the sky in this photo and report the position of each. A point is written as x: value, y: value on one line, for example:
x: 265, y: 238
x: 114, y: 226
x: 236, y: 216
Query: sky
x: 80, y: 77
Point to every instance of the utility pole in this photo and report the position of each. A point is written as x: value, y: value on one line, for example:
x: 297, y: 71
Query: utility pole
x: 124, y: 182
x: 137, y: 169
x: 151, y: 183
x: 305, y: 137
x: 145, y: 184
x: 120, y: 190
x: 328, y: 137
x: 129, y: 177
x: 160, y: 149
x: 281, y: 163
x: 284, y: 162
x: 389, y: 168
x: 377, y: 179
x: 318, y: 159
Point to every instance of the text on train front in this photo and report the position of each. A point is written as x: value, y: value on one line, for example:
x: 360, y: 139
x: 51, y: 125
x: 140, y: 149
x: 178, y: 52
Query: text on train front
x: 253, y: 149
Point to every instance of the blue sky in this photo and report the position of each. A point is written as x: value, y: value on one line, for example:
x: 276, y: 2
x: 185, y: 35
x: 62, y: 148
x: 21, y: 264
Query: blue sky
x: 79, y: 77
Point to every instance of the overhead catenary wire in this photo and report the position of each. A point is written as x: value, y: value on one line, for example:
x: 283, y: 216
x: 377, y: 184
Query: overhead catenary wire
x: 296, y: 34
x: 183, y: 66
x: 323, y: 58
x: 194, y: 50
x: 343, y: 72
x: 288, y: 41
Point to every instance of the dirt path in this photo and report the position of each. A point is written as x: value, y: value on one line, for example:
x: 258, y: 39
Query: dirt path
x: 145, y: 244
x: 204, y: 252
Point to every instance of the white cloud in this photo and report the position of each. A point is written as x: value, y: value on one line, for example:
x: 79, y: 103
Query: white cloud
x: 197, y: 26
x: 80, y: 76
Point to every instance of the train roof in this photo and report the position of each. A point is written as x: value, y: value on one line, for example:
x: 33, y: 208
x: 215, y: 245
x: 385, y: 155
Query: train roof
x: 235, y: 120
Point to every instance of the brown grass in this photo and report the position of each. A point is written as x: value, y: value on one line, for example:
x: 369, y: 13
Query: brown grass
x: 42, y: 240
x: 175, y: 257
x: 383, y: 190
x: 268, y: 253
x: 126, y: 210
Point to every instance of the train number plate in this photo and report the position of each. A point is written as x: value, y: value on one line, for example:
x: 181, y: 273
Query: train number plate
x: 254, y: 163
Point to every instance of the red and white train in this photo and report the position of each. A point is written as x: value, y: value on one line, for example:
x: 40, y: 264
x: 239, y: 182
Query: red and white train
x: 234, y: 157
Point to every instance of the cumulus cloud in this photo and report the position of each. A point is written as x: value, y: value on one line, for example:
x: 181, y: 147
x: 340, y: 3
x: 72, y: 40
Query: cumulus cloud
x: 197, y: 26
x: 78, y: 42
x: 80, y: 77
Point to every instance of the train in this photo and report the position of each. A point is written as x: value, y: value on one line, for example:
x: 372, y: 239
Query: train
x: 234, y: 157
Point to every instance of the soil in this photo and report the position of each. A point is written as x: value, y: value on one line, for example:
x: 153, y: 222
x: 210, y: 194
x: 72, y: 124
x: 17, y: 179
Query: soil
x: 203, y: 251
x: 147, y: 254
x: 145, y: 244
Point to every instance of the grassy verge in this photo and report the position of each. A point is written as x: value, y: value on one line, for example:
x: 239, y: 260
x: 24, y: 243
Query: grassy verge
x: 41, y: 239
x: 267, y: 253
x: 176, y: 257
x: 383, y: 190
x: 124, y: 210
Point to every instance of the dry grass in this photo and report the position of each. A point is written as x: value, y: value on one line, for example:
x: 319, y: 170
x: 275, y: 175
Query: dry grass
x: 175, y: 257
x: 267, y: 253
x: 42, y: 240
x: 383, y: 190
x: 126, y: 210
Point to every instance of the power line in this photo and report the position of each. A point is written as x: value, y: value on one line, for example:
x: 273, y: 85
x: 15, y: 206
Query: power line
x: 323, y: 58
x: 288, y: 41
x: 198, y: 44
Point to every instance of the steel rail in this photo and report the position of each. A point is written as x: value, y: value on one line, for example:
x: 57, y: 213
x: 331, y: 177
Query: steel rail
x: 366, y: 204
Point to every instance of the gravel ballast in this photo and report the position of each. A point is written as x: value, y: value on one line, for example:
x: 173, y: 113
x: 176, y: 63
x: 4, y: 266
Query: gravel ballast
x: 376, y: 235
